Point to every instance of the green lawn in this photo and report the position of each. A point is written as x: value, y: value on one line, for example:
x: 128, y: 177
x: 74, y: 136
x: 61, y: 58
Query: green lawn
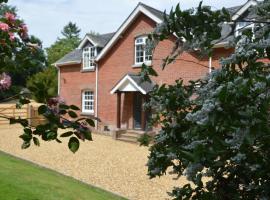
x: 21, y: 180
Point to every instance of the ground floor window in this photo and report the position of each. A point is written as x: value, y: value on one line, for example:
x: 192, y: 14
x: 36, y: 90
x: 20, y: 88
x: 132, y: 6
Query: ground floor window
x: 88, y: 101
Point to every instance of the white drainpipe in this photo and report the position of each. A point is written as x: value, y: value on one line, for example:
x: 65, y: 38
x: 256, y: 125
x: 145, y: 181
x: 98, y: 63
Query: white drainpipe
x: 96, y: 105
x: 210, y: 65
x: 58, y: 80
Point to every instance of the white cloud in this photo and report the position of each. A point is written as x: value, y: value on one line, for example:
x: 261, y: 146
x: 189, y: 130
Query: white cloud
x: 46, y: 18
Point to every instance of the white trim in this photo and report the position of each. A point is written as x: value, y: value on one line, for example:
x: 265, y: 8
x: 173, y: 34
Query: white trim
x: 96, y: 103
x: 58, y: 80
x: 67, y: 63
x: 127, y: 78
x: 210, y: 65
x: 139, y: 9
x: 83, y: 100
x: 243, y: 9
x: 91, y: 61
x: 86, y: 39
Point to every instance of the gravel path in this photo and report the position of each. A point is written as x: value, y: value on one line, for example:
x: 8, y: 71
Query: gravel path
x: 112, y: 165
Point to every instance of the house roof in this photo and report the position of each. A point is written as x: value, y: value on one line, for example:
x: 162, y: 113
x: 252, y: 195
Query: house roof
x: 152, y: 13
x: 132, y: 82
x: 74, y: 57
x: 106, y: 41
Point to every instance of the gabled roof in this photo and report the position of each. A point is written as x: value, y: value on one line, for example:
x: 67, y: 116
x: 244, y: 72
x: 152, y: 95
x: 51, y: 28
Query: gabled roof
x: 96, y: 40
x: 152, y: 13
x: 241, y: 10
x: 73, y: 57
x: 132, y: 82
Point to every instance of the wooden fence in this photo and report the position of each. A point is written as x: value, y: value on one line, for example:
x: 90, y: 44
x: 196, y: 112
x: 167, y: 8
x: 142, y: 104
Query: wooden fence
x: 29, y: 112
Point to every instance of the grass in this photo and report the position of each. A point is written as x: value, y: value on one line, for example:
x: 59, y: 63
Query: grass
x: 22, y: 180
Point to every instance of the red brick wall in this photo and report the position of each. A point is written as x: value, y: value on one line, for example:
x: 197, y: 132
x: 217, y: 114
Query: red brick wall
x: 73, y: 82
x: 119, y: 61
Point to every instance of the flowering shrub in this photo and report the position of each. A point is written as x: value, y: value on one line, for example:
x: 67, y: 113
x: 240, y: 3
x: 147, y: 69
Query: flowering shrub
x: 13, y: 38
x: 217, y: 134
x: 5, y: 81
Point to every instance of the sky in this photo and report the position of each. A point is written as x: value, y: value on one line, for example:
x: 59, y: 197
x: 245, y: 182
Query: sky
x: 46, y: 18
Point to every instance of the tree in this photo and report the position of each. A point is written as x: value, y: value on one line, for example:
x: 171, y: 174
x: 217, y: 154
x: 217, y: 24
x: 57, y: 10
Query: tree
x: 43, y: 85
x: 16, y: 46
x: 64, y: 45
x: 218, y: 134
x: 26, y: 61
x: 71, y: 31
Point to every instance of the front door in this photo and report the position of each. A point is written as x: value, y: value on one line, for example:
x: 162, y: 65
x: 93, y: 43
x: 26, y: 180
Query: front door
x: 137, y: 110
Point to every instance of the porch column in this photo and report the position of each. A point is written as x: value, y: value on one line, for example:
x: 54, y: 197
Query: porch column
x: 143, y: 113
x: 118, y: 117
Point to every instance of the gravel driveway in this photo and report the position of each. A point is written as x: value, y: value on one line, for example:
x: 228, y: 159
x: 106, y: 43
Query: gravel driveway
x: 115, y: 166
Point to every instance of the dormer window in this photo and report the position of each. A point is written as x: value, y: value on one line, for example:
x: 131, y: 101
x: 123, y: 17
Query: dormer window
x: 143, y: 51
x: 243, y: 26
x: 89, y: 54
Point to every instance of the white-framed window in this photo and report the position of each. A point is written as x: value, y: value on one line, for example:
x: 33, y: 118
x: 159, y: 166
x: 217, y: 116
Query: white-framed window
x: 143, y: 51
x: 241, y: 26
x: 88, y: 101
x: 89, y: 54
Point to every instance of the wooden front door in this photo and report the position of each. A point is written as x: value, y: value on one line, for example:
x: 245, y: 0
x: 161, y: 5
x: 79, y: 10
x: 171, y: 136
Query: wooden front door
x: 137, y: 110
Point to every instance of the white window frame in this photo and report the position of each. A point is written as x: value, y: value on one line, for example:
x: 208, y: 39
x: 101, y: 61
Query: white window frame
x: 147, y: 59
x: 91, y: 52
x: 90, y: 99
x: 241, y: 26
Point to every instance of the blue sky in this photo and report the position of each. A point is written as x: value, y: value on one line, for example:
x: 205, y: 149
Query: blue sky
x: 46, y: 18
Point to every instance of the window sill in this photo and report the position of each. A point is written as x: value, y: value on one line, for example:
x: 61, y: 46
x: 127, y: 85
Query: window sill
x: 148, y: 63
x: 87, y: 113
x: 88, y: 70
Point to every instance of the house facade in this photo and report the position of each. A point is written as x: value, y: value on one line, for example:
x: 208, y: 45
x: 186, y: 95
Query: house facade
x: 101, y: 75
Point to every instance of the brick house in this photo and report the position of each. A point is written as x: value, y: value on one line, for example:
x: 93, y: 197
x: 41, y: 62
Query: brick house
x: 101, y: 75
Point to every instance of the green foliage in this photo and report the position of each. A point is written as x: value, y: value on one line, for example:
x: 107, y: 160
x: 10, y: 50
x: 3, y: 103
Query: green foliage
x: 145, y: 140
x: 215, y: 131
x: 64, y: 45
x: 22, y: 57
x: 71, y: 31
x: 43, y: 85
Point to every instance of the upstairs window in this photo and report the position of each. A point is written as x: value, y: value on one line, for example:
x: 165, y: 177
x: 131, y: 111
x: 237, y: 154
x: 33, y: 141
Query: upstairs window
x: 143, y: 50
x: 89, y: 54
x: 88, y: 102
x: 242, y: 26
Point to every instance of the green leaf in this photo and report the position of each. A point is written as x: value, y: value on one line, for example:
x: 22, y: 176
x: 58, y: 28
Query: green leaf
x: 90, y: 122
x: 88, y: 135
x: 27, y: 131
x: 63, y: 106
x: 36, y: 141
x: 73, y: 144
x: 12, y: 121
x: 67, y: 134
x: 25, y: 145
x: 73, y: 107
x: 72, y: 114
x: 42, y: 109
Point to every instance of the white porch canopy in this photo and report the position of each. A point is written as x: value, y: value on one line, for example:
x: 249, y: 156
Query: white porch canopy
x: 128, y: 84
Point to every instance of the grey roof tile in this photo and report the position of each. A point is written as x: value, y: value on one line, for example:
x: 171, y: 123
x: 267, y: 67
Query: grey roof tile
x: 101, y: 40
x: 73, y: 56
x: 145, y: 85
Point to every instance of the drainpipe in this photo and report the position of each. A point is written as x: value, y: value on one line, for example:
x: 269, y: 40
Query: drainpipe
x: 96, y: 105
x: 58, y: 80
x: 210, y: 64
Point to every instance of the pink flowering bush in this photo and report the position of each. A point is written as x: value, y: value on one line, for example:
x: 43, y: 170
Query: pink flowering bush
x: 5, y: 81
x: 15, y: 44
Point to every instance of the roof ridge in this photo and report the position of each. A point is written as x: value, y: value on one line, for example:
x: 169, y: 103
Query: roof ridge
x: 143, y: 4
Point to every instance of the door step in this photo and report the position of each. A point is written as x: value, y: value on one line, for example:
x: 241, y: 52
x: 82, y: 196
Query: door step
x: 129, y: 136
